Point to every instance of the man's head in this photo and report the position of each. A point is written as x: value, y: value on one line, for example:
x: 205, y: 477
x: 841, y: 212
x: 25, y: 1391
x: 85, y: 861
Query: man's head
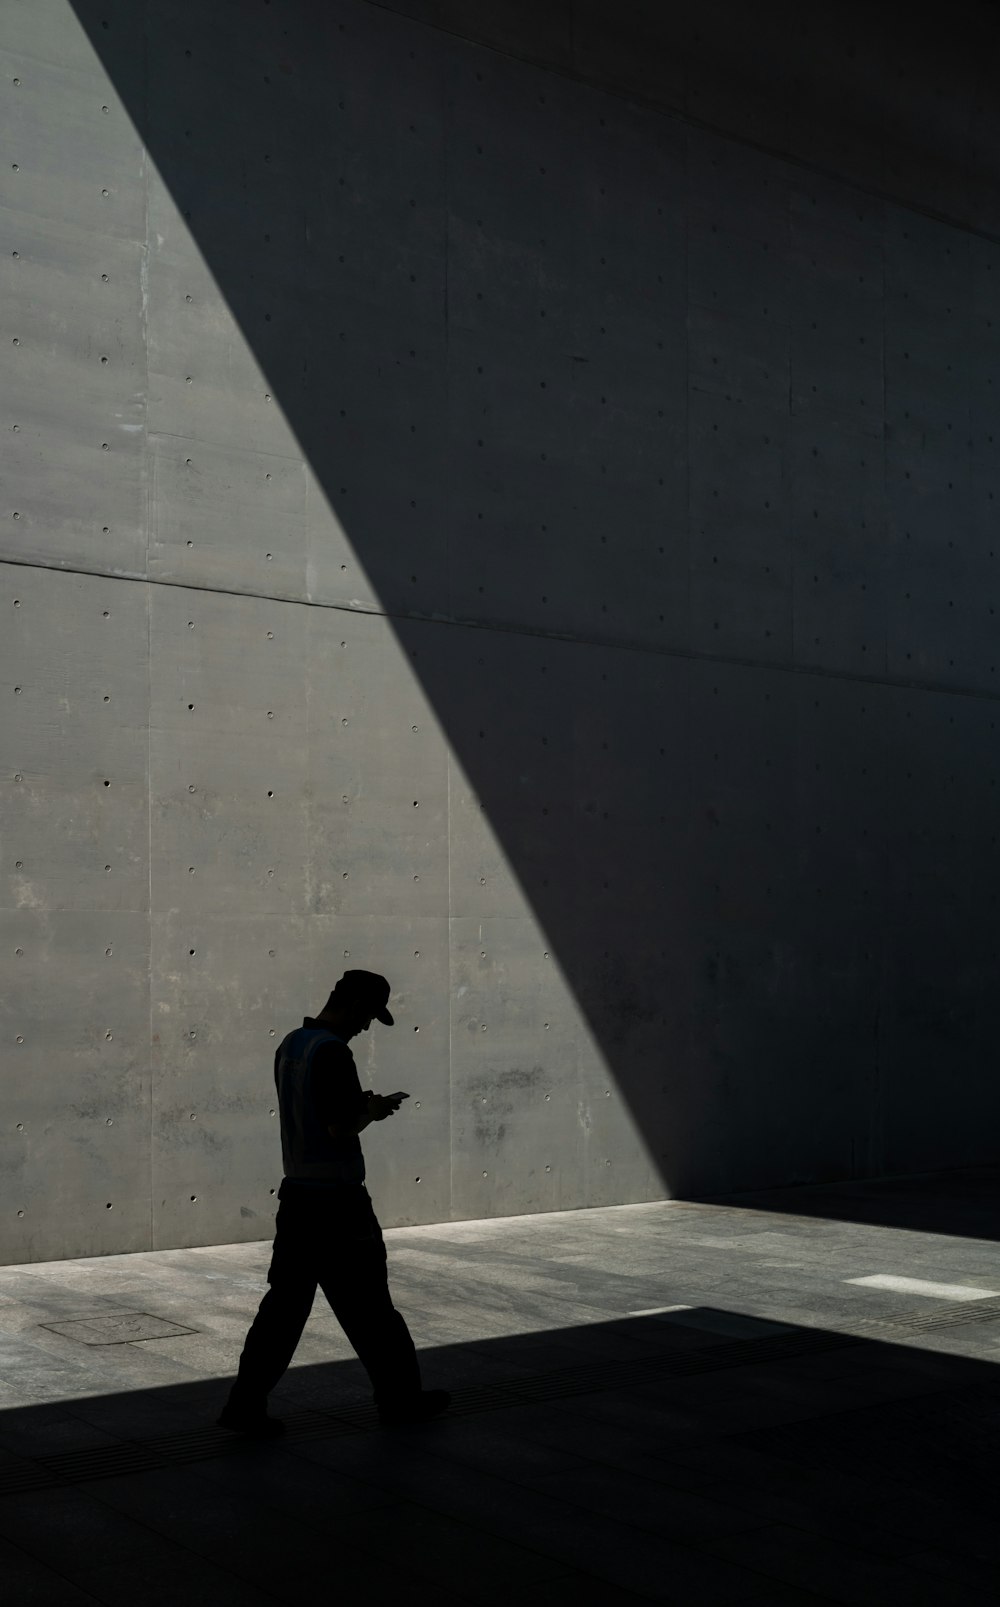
x: 359, y: 998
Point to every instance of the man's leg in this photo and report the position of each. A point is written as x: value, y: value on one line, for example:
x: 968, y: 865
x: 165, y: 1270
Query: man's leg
x: 283, y: 1312
x: 354, y: 1279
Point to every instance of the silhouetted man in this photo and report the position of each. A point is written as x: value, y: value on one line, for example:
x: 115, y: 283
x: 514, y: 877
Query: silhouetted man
x: 326, y: 1230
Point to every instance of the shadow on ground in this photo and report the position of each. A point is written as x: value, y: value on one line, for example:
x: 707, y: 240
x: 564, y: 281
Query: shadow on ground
x: 701, y: 1455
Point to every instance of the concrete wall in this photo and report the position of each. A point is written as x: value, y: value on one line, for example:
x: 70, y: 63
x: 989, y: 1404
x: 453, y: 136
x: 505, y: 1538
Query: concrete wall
x: 516, y: 513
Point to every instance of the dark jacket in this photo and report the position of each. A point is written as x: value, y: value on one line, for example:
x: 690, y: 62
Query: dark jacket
x: 317, y: 1084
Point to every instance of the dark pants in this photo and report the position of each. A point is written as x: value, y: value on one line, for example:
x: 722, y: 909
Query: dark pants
x: 331, y: 1238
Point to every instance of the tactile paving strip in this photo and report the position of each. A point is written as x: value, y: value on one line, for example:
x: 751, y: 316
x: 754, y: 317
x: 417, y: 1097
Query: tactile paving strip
x: 950, y: 1316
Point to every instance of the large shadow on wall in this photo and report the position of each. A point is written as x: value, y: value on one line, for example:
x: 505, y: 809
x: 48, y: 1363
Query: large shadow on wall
x: 465, y: 281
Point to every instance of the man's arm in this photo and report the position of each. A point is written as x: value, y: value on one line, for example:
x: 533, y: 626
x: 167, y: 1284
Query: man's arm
x: 352, y: 1128
x: 379, y: 1107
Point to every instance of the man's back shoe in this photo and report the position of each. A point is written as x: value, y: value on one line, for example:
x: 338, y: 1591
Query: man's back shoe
x: 252, y: 1419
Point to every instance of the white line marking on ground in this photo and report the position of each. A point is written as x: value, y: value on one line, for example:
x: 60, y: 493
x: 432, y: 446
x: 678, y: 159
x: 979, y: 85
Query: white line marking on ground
x: 921, y: 1286
x: 654, y: 1311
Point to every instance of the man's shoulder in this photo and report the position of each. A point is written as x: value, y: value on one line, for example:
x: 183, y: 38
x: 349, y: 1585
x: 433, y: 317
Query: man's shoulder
x: 329, y: 1050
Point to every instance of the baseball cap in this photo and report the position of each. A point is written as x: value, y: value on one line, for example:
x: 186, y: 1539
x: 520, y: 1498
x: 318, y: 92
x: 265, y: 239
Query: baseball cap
x: 366, y: 988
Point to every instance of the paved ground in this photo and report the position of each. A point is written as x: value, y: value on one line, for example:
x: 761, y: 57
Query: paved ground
x: 818, y: 1425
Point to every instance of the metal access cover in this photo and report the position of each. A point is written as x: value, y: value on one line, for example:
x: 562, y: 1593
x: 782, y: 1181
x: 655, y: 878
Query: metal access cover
x: 120, y: 1329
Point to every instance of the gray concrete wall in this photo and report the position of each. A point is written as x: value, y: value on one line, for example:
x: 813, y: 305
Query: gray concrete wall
x: 513, y: 512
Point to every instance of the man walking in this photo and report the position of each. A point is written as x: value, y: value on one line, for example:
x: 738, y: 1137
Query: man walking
x: 326, y: 1230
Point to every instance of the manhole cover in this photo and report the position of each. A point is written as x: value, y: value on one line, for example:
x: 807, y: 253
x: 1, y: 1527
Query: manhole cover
x: 116, y: 1330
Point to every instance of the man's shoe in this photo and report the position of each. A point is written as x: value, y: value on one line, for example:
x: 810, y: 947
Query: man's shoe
x: 254, y: 1422
x: 417, y: 1410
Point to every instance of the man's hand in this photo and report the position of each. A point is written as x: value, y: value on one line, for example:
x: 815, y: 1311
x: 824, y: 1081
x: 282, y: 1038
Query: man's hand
x: 383, y: 1105
x: 378, y: 1107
